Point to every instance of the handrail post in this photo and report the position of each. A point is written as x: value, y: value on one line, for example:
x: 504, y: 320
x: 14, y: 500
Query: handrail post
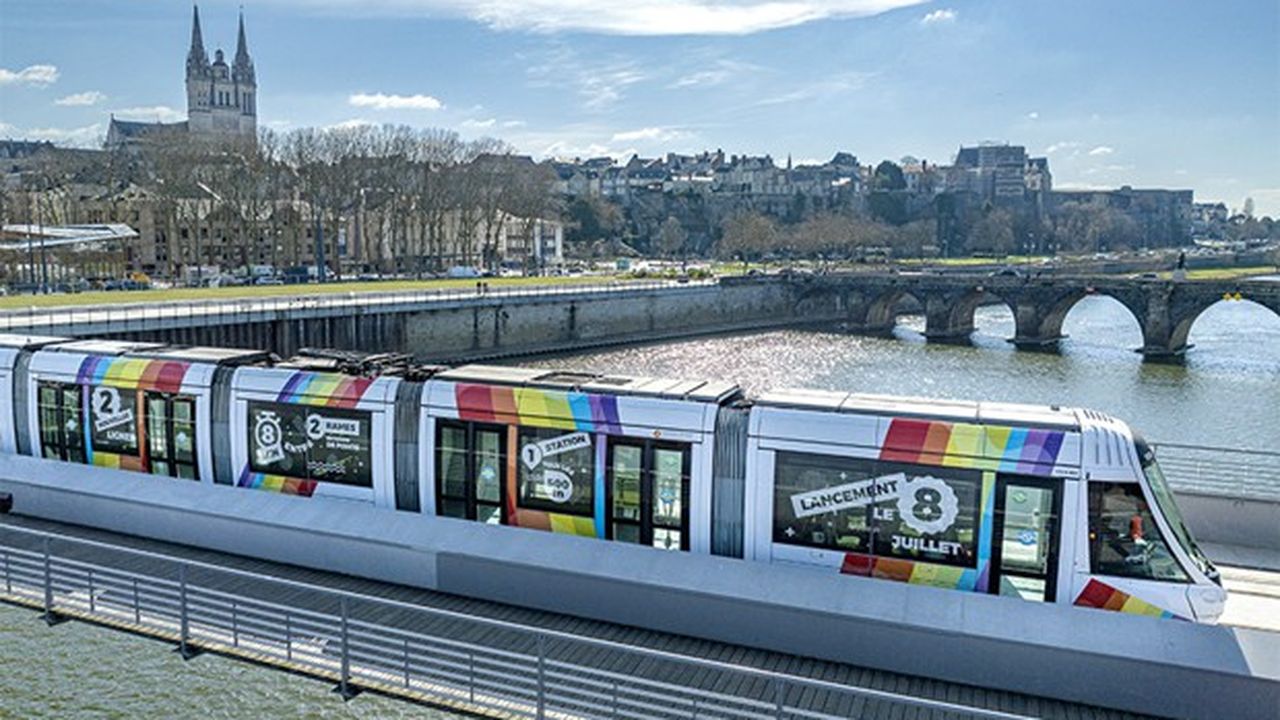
x: 8, y: 582
x: 542, y: 676
x: 184, y: 621
x: 93, y: 608
x: 288, y: 637
x: 344, y: 685
x: 779, y: 694
x: 50, y: 617
x: 137, y: 606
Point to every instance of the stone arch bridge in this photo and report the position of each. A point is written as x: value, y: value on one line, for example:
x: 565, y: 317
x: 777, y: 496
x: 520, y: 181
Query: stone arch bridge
x: 1164, y: 309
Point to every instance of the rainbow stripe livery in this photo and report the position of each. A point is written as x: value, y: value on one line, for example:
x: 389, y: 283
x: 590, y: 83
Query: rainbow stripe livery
x: 538, y: 408
x: 159, y: 375
x: 1097, y: 594
x: 324, y: 389
x: 977, y: 447
x: 276, y: 483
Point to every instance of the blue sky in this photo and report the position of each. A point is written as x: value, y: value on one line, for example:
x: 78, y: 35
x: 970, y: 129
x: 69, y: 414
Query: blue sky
x: 1150, y: 93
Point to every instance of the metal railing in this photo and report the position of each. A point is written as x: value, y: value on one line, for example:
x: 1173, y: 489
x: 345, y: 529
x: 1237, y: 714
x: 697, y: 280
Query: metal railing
x: 146, y: 316
x: 1208, y: 470
x: 426, y: 654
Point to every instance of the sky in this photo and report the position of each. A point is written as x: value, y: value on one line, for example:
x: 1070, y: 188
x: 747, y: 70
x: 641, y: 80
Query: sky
x: 1147, y: 93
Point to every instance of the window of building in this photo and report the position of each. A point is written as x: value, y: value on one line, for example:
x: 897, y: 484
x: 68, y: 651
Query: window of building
x: 1124, y: 540
x: 310, y: 442
x: 61, y: 430
x: 557, y: 471
x: 911, y: 512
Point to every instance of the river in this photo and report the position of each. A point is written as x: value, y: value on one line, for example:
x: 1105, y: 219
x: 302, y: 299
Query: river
x: 1227, y: 393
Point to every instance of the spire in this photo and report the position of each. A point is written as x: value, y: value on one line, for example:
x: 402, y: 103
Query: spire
x: 242, y: 66
x: 197, y: 60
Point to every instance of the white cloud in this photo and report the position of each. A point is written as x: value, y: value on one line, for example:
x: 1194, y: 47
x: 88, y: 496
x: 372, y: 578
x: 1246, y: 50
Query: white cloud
x: 153, y: 113
x: 381, y: 101
x: 92, y: 97
x: 7, y: 129
x: 87, y: 136
x: 479, y: 124
x: 637, y: 17
x: 600, y: 83
x: 1033, y: 115
x: 828, y: 87
x: 945, y: 15
x: 722, y: 72
x: 1101, y: 150
x: 649, y: 134
x: 1060, y: 146
x: 37, y: 75
x: 514, y: 124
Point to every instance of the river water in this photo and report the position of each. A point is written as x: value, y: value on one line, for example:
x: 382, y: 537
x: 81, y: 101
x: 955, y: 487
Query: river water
x: 1227, y: 393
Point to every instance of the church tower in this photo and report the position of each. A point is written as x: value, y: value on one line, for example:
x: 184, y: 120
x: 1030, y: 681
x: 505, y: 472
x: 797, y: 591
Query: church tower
x: 221, y: 99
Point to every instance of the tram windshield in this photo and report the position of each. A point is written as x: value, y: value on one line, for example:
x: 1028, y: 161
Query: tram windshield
x: 1164, y: 500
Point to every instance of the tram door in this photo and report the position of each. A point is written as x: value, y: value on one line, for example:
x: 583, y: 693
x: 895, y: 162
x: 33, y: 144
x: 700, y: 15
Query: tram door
x: 649, y: 494
x: 1025, y: 546
x: 470, y: 471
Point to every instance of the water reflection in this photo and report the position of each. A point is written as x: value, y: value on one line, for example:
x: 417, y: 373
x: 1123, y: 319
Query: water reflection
x: 1227, y: 392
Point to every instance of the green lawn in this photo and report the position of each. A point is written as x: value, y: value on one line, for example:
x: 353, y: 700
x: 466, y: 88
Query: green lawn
x: 1230, y: 273
x: 22, y: 302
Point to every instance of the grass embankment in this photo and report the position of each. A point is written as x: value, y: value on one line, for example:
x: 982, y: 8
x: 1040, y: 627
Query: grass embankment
x: 1231, y: 273
x: 248, y: 292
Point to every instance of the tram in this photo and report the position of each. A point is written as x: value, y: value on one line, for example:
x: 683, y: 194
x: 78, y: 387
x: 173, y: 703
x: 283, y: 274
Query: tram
x: 1038, y: 504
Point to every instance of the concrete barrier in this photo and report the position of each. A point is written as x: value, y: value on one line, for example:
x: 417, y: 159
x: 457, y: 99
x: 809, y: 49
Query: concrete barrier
x: 1126, y: 662
x: 1230, y: 520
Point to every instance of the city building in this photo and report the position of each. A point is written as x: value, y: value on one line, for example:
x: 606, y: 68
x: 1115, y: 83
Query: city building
x: 222, y: 99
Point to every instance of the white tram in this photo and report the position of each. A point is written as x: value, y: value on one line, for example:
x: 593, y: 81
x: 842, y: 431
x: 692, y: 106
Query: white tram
x: 1043, y: 504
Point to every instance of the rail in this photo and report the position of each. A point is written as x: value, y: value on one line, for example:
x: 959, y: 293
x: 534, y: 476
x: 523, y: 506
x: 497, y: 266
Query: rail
x: 1208, y: 470
x: 145, y: 316
x: 426, y: 654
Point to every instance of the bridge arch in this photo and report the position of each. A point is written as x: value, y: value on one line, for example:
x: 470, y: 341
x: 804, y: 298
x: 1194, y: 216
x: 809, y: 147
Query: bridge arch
x: 882, y: 310
x: 1182, y: 324
x: 1053, y: 314
x: 961, y: 311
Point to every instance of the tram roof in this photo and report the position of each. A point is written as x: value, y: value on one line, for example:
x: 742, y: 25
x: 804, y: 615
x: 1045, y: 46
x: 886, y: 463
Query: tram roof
x: 10, y: 340
x: 210, y: 355
x: 984, y: 413
x: 667, y: 388
x: 106, y: 347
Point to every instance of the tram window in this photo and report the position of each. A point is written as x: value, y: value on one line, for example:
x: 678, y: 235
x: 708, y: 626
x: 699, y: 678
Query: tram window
x: 113, y: 420
x: 451, y: 469
x: 311, y: 443
x: 171, y: 435
x: 557, y: 471
x: 913, y: 512
x: 670, y: 483
x: 1124, y: 539
x: 626, y: 467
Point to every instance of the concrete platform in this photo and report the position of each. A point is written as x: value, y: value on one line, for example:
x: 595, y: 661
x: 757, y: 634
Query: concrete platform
x: 1022, y: 705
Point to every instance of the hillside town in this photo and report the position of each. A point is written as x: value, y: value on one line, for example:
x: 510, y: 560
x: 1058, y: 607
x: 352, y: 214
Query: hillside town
x: 219, y: 198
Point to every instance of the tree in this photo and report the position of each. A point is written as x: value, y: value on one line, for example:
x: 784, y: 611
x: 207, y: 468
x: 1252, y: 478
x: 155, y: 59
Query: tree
x: 747, y: 235
x: 993, y: 233
x: 888, y: 176
x: 672, y: 238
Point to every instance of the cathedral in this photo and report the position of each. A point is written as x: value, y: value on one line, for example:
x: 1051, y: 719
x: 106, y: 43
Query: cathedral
x: 222, y: 100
